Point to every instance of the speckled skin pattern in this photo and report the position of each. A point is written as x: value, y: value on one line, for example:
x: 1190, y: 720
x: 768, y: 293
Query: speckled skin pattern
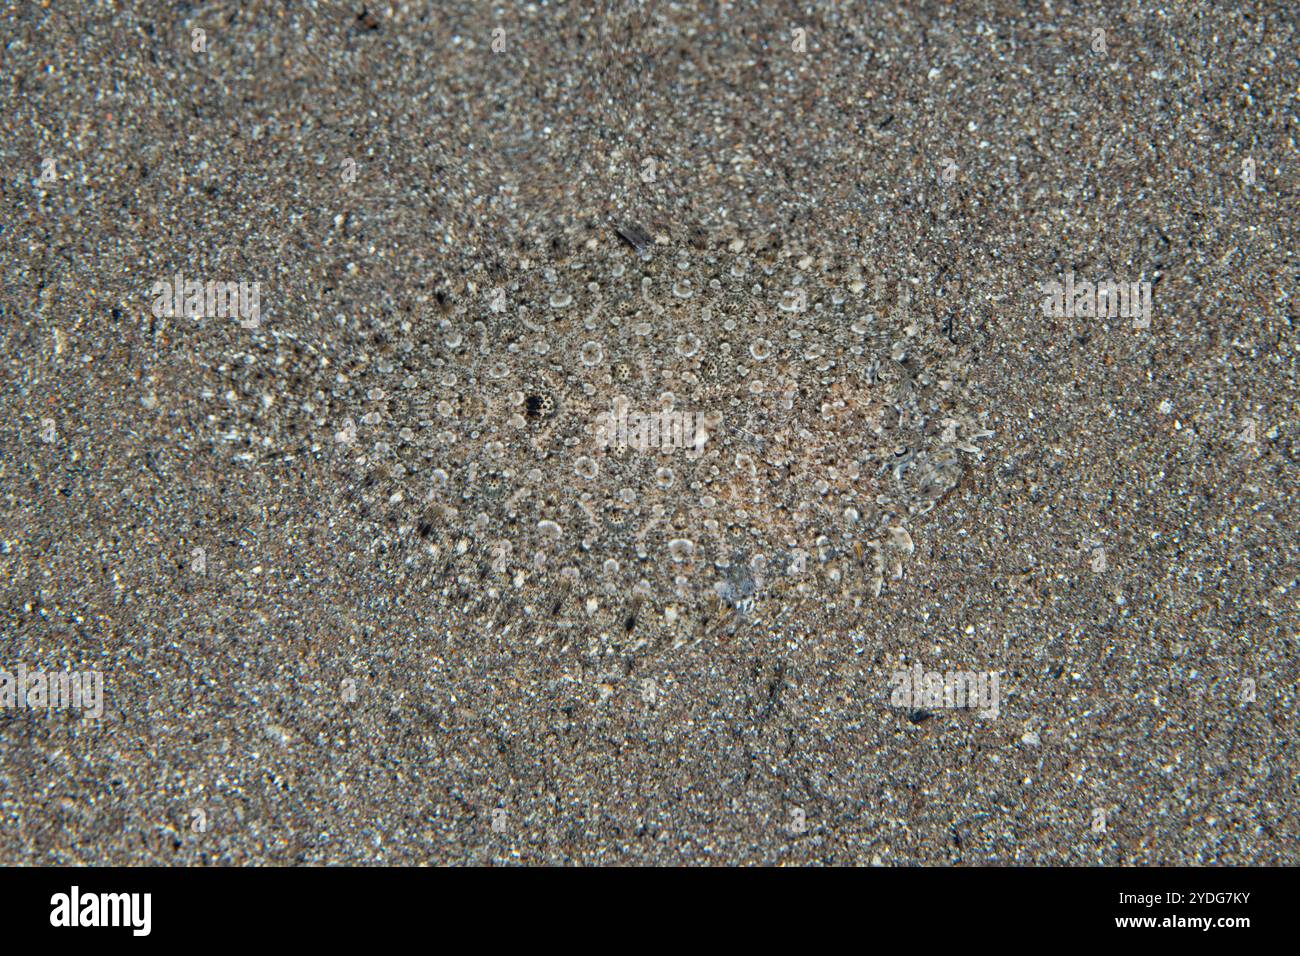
x: 363, y: 571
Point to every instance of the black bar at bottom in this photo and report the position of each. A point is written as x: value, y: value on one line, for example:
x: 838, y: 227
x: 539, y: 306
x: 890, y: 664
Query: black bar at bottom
x: 336, y: 907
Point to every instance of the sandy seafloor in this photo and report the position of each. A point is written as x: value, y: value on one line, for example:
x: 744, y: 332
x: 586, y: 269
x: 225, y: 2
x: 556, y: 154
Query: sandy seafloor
x: 226, y: 737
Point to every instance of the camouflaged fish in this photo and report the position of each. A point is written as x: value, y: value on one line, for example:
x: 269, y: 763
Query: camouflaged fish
x: 690, y: 424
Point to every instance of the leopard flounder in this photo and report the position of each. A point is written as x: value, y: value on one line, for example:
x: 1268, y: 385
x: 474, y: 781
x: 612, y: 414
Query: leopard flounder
x: 681, y: 421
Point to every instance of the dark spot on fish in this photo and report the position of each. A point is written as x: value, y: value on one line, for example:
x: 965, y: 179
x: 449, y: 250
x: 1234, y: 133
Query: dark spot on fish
x: 538, y: 406
x: 634, y: 236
